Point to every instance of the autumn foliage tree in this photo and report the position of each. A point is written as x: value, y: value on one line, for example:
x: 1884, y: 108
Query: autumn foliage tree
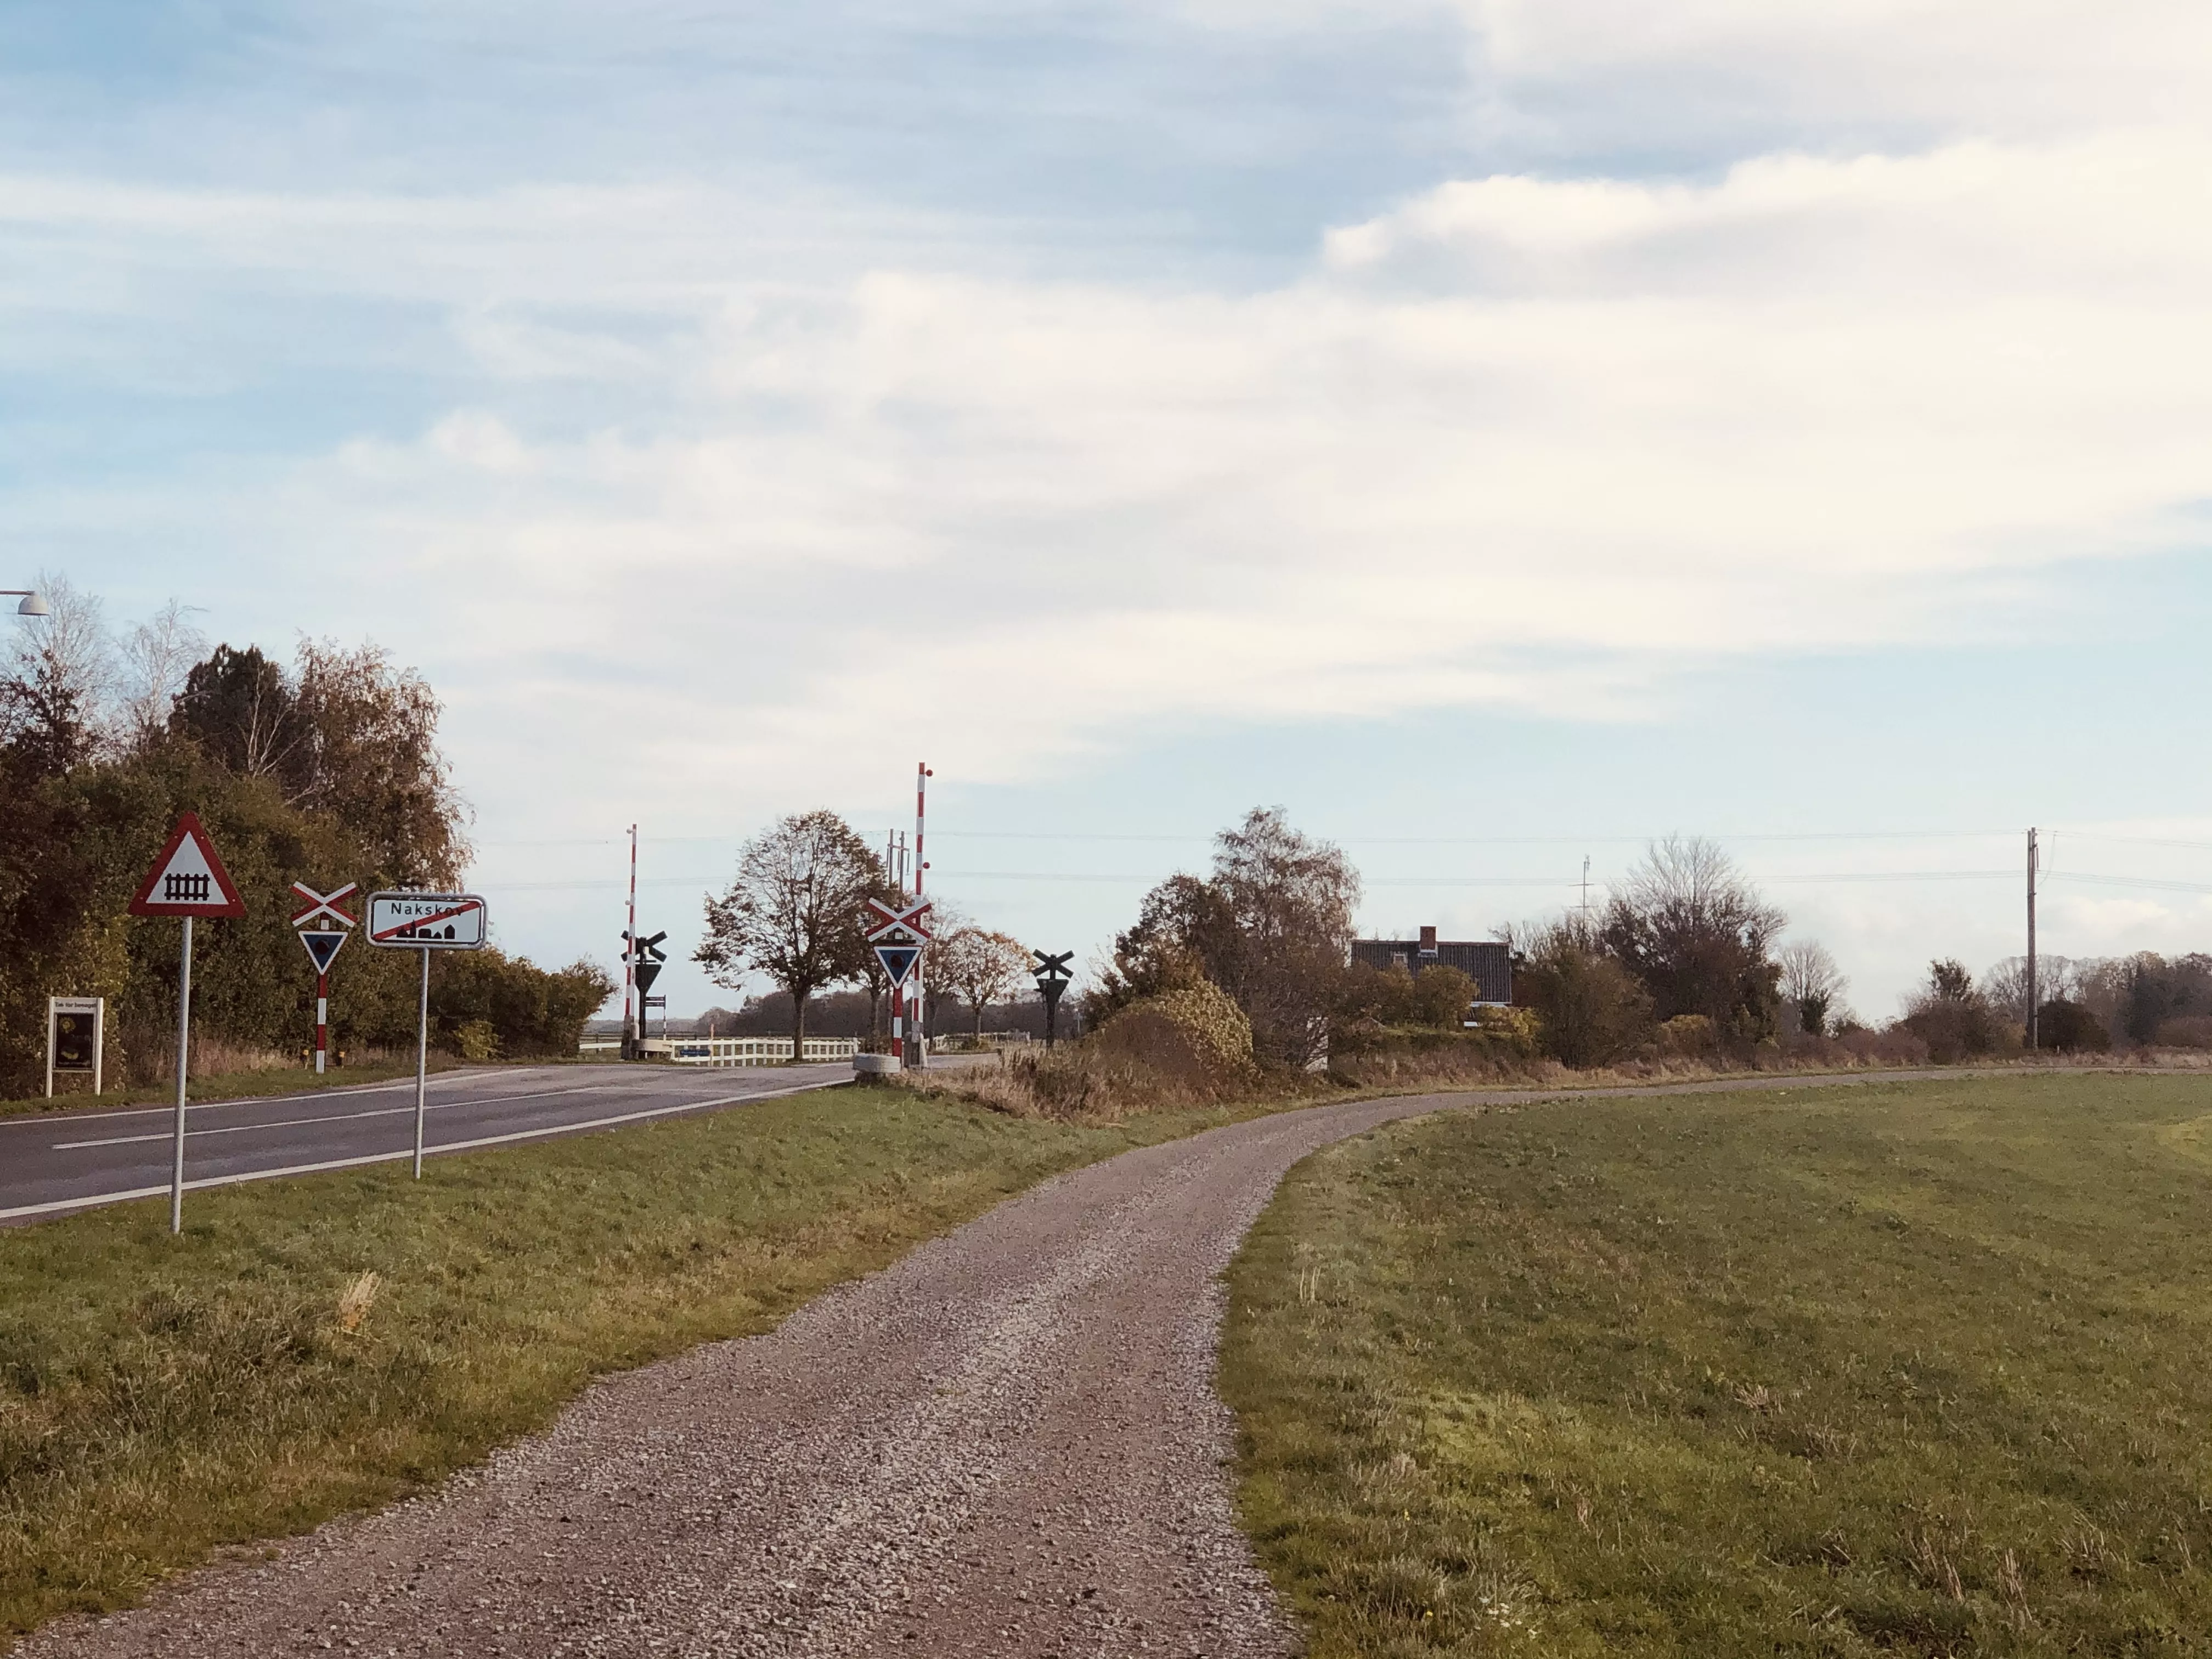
x: 793, y: 913
x: 1271, y: 926
x: 985, y: 967
x: 326, y: 770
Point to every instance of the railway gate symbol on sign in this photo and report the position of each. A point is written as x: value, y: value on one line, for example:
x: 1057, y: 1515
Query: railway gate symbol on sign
x: 188, y: 882
x: 428, y: 922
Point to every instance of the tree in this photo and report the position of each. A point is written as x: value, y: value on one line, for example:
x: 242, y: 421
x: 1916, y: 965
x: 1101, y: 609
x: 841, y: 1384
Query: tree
x: 1950, y: 1016
x: 2066, y: 1027
x: 2005, y: 985
x: 1689, y: 925
x: 1271, y: 927
x: 1811, y: 983
x: 793, y: 913
x: 241, y: 710
x: 157, y: 656
x: 369, y: 741
x: 986, y: 968
x: 1442, y: 996
x: 1593, y: 1009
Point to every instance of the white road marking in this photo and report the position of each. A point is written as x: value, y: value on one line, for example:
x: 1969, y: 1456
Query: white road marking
x: 54, y: 1206
x: 332, y: 1117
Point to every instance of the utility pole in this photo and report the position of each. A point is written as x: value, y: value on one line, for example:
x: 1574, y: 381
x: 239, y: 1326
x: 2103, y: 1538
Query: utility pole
x: 1586, y: 864
x: 2034, y: 857
x: 630, y: 956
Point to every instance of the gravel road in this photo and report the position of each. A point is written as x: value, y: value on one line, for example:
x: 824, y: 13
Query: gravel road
x: 1008, y: 1443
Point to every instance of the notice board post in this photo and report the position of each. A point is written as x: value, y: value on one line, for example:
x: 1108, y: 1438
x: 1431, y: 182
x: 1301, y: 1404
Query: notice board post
x: 76, y: 1032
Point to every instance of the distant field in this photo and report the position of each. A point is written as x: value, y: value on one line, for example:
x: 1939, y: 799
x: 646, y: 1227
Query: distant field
x: 160, y: 1396
x: 1914, y: 1368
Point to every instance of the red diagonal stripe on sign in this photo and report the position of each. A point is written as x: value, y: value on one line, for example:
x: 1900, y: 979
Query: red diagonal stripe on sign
x: 424, y: 922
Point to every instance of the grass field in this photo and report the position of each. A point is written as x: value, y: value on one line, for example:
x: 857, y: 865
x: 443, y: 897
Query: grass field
x: 1913, y: 1368
x: 161, y: 1397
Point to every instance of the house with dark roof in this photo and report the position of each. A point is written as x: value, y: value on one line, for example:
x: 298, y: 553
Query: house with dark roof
x: 1488, y: 963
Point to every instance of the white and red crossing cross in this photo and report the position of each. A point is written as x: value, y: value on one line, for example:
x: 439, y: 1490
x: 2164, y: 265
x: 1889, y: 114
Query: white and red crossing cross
x: 323, y: 905
x: 892, y: 922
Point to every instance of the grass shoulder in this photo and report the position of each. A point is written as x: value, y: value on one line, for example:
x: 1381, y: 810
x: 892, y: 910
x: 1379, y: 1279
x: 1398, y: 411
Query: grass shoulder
x: 1914, y: 1367
x: 162, y: 1397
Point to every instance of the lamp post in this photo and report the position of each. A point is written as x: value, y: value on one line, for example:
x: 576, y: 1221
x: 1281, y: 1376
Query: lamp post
x: 33, y: 603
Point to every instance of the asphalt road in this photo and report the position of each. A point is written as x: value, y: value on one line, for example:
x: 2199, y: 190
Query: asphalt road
x: 56, y: 1162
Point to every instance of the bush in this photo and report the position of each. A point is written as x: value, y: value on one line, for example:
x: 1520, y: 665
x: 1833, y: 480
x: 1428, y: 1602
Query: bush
x: 2191, y: 1032
x: 1954, y: 1020
x: 1193, y: 1034
x: 1593, y: 1010
x: 476, y: 1042
x: 1955, y: 1031
x: 2068, y: 1028
x: 521, y: 1008
x: 1688, y: 1036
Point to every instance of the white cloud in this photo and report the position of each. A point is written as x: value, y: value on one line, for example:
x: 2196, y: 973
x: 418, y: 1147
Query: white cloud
x: 1515, y: 443
x: 2002, y: 68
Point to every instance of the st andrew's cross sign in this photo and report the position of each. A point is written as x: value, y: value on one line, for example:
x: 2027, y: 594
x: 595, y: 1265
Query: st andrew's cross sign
x: 899, y: 925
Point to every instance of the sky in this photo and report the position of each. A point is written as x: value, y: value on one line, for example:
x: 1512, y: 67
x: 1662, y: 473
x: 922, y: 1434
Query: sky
x: 1497, y: 433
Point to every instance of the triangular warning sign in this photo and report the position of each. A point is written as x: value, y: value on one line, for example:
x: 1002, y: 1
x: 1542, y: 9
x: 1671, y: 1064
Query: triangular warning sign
x: 898, y: 960
x: 646, y: 972
x: 324, y: 947
x: 188, y: 879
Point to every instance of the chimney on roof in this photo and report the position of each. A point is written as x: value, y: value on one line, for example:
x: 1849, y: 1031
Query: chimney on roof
x: 1428, y: 941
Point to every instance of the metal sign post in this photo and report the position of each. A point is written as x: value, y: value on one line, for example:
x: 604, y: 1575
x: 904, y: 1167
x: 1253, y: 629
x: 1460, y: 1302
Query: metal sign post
x: 425, y: 922
x: 1051, y: 977
x: 187, y: 880
x: 76, y: 1030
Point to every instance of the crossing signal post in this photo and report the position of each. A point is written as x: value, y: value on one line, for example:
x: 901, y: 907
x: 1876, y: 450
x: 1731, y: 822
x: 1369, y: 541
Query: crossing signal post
x: 644, y: 958
x: 1053, y: 973
x: 898, y: 938
x: 324, y: 929
x: 188, y: 882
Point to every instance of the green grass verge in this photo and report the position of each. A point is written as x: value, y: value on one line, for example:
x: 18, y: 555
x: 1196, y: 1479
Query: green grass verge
x: 1909, y: 1368
x: 162, y: 1397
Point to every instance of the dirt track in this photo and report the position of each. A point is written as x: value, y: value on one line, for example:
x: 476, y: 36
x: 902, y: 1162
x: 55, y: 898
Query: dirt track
x: 1008, y: 1444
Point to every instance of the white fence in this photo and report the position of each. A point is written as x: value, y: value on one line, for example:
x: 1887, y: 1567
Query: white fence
x: 746, y: 1051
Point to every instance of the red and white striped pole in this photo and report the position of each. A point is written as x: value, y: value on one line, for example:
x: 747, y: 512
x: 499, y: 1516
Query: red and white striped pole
x: 921, y: 775
x: 629, y: 955
x: 322, y: 1019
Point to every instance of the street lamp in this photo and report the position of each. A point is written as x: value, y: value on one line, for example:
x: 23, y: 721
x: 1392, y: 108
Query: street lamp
x: 33, y: 605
